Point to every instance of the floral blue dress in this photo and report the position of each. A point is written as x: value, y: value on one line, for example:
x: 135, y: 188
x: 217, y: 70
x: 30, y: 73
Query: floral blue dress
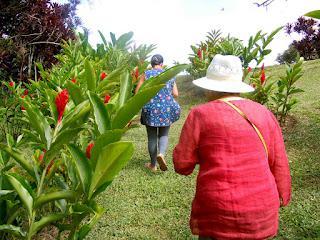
x: 162, y: 110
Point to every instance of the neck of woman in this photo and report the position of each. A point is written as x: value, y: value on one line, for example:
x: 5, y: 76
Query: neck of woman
x: 211, y: 95
x: 157, y: 67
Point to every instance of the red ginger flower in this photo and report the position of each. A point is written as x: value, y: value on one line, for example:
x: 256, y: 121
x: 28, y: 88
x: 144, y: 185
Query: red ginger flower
x: 262, y: 67
x: 88, y: 149
x: 73, y: 80
x: 136, y: 72
x: 199, y: 53
x: 262, y: 77
x: 103, y: 75
x: 25, y: 92
x: 106, y: 98
x: 249, y: 69
x: 41, y: 156
x: 61, y: 102
x: 11, y: 84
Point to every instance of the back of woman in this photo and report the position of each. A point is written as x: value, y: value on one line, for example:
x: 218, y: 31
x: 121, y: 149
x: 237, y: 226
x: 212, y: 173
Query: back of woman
x: 162, y: 109
x: 236, y: 190
x: 243, y: 174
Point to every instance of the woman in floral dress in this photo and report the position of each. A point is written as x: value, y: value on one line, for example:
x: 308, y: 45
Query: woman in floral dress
x: 158, y: 115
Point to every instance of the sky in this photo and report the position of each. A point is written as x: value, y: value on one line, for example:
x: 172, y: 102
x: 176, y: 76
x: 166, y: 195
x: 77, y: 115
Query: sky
x: 174, y: 25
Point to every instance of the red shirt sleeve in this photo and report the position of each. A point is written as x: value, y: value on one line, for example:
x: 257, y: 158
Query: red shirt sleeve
x: 185, y: 154
x: 279, y: 164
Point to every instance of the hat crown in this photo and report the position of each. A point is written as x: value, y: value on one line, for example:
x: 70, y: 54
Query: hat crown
x: 225, y: 68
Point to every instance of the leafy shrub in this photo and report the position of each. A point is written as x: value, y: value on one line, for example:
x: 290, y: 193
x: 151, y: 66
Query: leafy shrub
x: 254, y: 52
x: 283, y: 99
x: 288, y: 56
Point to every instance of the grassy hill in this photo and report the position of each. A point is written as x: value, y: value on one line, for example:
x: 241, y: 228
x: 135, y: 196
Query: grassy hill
x: 142, y: 205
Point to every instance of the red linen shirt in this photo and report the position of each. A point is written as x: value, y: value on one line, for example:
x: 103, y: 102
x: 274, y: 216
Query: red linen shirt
x: 238, y: 188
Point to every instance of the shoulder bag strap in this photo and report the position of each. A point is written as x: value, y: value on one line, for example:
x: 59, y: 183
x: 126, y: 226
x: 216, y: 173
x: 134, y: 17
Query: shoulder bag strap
x: 251, y: 123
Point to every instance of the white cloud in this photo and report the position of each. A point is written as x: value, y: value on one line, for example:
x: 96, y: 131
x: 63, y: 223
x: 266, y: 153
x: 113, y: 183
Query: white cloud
x: 176, y: 24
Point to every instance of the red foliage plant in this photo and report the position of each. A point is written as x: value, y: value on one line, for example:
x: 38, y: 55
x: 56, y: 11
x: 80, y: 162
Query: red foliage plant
x: 61, y: 102
x: 31, y: 31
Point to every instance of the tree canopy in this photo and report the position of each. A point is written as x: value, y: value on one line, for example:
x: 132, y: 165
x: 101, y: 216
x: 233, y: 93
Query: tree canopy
x: 31, y: 31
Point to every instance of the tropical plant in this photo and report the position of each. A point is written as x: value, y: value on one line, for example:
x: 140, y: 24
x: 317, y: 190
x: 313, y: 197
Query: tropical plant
x: 253, y: 53
x: 263, y: 87
x: 283, y: 99
x: 10, y: 113
x: 257, y: 50
x: 76, y: 118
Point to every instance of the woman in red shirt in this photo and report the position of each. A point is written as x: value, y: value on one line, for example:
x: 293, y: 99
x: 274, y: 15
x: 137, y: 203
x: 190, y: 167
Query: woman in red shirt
x: 244, y: 174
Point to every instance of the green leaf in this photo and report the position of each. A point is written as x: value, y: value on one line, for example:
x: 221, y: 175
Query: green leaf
x: 255, y: 52
x: 75, y: 92
x: 23, y: 189
x: 125, y: 88
x: 270, y: 37
x: 133, y: 105
x: 101, y: 116
x: 257, y: 37
x: 113, y: 38
x: 38, y: 122
x: 103, y: 38
x: 64, y: 137
x: 296, y: 90
x: 53, y: 196
x: 124, y: 40
x: 313, y: 14
x: 4, y: 194
x: 90, y: 75
x: 18, y: 157
x: 85, y: 229
x: 164, y: 76
x: 83, y: 167
x: 51, y: 101
x: 44, y: 221
x: 266, y: 52
x: 75, y: 114
x: 103, y: 140
x: 81, y: 209
x: 14, y: 230
x: 101, y: 189
x: 111, y: 160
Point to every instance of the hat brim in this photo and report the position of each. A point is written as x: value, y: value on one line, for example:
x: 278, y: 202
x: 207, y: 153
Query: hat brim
x: 223, y: 86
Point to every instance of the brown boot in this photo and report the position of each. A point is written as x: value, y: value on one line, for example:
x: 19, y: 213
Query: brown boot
x: 162, y: 163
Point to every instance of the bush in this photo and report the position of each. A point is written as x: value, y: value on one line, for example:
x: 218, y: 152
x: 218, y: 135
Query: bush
x: 288, y: 56
x: 253, y: 53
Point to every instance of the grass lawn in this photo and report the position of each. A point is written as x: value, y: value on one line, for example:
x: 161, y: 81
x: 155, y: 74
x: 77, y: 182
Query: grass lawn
x: 142, y: 205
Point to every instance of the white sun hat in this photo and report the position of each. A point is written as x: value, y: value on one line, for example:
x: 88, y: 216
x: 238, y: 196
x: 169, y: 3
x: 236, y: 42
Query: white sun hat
x: 224, y: 74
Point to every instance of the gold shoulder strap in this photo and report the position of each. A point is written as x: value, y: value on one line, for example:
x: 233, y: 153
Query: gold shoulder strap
x: 252, y: 124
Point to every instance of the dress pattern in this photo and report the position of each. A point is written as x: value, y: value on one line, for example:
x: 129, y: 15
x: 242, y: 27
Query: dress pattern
x: 162, y: 110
